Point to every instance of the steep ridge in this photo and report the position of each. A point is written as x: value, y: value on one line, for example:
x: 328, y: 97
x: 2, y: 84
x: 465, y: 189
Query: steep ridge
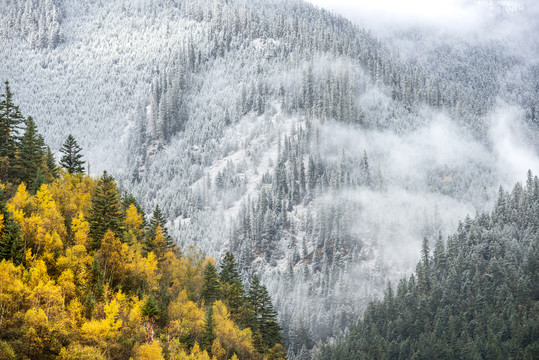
x: 281, y: 132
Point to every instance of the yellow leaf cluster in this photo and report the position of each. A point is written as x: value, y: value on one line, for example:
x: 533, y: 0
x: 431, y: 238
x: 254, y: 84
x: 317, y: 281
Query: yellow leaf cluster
x: 151, y: 351
x: 185, y: 317
x: 229, y: 334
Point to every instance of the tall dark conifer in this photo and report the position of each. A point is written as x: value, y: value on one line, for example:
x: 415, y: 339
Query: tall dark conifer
x: 209, y: 336
x: 71, y: 160
x: 232, y: 290
x: 31, y: 155
x: 210, y: 287
x: 265, y: 317
x: 106, y: 211
x: 52, y: 168
x: 10, y: 125
x: 11, y: 245
x: 158, y: 220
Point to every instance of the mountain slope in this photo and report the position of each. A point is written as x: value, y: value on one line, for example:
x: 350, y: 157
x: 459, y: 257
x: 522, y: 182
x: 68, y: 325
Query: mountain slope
x: 282, y: 132
x: 474, y: 296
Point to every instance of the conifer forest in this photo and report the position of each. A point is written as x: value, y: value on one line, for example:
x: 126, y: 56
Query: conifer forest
x: 269, y: 179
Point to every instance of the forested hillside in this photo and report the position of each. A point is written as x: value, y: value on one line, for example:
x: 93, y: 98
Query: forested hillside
x: 316, y: 152
x: 84, y: 274
x: 474, y: 296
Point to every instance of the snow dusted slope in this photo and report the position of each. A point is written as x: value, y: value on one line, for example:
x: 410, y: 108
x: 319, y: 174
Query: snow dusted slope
x: 283, y: 133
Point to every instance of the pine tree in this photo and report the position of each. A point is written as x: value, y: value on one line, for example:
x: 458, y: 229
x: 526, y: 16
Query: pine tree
x: 210, y: 287
x: 232, y: 290
x: 71, y: 160
x: 51, y: 164
x: 106, y: 211
x: 11, y: 245
x: 229, y: 269
x: 31, y: 156
x: 10, y: 125
x: 265, y: 326
x: 209, y: 336
x: 158, y: 220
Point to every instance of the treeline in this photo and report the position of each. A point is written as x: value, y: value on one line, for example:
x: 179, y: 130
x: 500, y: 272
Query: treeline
x: 475, y: 296
x: 85, y: 274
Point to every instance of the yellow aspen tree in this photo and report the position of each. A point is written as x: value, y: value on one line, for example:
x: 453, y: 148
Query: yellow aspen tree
x: 12, y: 291
x: 77, y: 351
x: 217, y: 350
x: 112, y: 257
x: 185, y: 318
x: 80, y: 228
x: 229, y: 334
x: 133, y: 223
x: 151, y: 351
x: 21, y: 204
x: 75, y: 313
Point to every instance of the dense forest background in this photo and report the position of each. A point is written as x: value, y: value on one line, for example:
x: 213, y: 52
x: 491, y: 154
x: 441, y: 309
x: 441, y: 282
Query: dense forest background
x: 317, y: 152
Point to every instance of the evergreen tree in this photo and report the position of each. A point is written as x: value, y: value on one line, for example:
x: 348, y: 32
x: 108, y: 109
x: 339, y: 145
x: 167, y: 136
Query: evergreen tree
x: 229, y: 269
x: 210, y: 287
x: 71, y: 160
x: 209, y: 336
x: 31, y: 156
x: 106, y: 211
x: 265, y: 317
x: 11, y: 245
x: 158, y: 221
x: 52, y: 167
x: 10, y: 125
x: 232, y: 290
x: 477, y: 299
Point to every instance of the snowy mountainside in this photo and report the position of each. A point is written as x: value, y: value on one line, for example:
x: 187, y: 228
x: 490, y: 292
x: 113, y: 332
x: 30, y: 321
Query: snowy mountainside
x: 311, y: 149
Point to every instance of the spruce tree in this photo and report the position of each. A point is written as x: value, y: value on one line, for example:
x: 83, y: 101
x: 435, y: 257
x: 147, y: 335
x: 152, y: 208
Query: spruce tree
x: 158, y: 220
x: 71, y: 160
x: 31, y: 156
x: 11, y: 245
x: 229, y: 269
x: 150, y: 311
x: 232, y: 290
x: 52, y: 168
x: 209, y: 336
x: 10, y: 125
x: 265, y: 326
x: 106, y: 211
x: 210, y: 287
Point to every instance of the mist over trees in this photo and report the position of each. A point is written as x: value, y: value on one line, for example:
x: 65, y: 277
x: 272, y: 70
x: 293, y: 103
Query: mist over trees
x: 474, y: 295
x: 315, y: 152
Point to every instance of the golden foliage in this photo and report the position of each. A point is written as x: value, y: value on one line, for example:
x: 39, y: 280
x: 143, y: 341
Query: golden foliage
x: 186, y: 318
x: 71, y: 301
x: 151, y: 351
x: 229, y: 334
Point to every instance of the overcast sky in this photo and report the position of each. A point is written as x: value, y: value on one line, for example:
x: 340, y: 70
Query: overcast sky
x: 452, y: 14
